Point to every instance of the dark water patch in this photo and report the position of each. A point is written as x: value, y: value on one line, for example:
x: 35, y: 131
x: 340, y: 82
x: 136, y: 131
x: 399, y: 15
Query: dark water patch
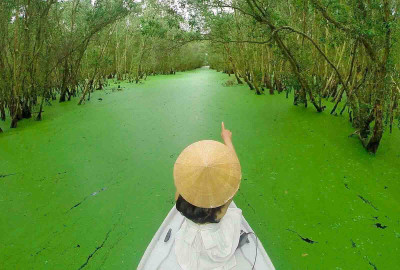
x: 305, y: 239
x: 380, y: 226
x: 308, y: 240
x: 76, y: 205
x: 84, y: 199
x: 373, y: 265
x: 6, y: 175
x: 252, y: 208
x: 94, y: 252
x: 248, y: 204
x: 353, y: 244
x: 38, y: 252
x: 367, y: 202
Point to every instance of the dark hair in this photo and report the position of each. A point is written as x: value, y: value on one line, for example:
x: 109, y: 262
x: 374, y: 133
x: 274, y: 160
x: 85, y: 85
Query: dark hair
x: 197, y: 214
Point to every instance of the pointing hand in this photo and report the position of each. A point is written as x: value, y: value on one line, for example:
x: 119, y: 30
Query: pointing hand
x: 226, y: 134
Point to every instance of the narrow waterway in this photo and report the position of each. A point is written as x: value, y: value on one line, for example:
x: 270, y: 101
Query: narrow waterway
x: 87, y: 187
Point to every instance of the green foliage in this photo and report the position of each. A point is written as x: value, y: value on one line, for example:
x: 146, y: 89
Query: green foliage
x: 311, y: 36
x: 52, y: 48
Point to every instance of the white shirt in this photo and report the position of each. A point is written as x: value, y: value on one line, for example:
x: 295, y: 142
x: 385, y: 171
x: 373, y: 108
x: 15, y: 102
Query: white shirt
x: 209, y: 246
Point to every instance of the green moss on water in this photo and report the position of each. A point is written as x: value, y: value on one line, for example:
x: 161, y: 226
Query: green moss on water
x: 92, y: 184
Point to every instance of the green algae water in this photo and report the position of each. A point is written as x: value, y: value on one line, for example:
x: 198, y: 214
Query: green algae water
x: 87, y: 187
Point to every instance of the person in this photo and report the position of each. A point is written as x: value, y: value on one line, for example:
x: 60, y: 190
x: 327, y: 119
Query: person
x: 207, y: 175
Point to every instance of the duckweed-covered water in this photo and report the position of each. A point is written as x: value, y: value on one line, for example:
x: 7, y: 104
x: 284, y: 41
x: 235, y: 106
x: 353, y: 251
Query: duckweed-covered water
x: 88, y: 186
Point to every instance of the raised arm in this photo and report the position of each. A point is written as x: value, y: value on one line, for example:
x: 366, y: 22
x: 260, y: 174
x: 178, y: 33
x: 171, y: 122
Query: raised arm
x: 226, y: 136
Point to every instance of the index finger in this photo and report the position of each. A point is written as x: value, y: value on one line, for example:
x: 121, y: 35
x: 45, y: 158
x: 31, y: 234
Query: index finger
x: 223, y: 126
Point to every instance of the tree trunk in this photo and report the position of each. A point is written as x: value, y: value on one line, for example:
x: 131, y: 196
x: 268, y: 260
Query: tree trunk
x: 237, y: 78
x: 295, y: 67
x: 84, y: 93
x: 393, y: 107
x: 2, y: 112
x: 377, y: 133
x: 255, y: 83
x: 376, y: 137
x: 268, y: 84
x: 14, y: 122
x: 39, y: 116
x: 248, y: 82
x: 100, y: 87
x: 64, y: 86
x: 15, y: 112
x: 26, y: 111
x: 258, y: 92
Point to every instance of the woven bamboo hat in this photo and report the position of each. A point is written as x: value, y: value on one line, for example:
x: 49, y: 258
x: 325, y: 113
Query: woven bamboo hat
x: 207, y: 174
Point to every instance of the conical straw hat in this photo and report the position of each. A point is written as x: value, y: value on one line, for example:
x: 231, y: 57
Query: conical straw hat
x: 207, y: 174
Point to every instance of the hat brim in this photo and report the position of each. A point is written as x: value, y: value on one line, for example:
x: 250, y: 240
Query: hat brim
x: 207, y: 174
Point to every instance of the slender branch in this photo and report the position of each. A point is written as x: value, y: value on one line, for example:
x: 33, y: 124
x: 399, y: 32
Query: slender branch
x: 318, y: 49
x: 259, y: 8
x: 324, y: 13
x: 236, y: 8
x: 215, y: 40
x: 346, y: 29
x: 353, y: 56
x: 386, y: 16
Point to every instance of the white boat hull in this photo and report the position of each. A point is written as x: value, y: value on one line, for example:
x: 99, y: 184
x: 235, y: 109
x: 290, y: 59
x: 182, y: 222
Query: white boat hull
x: 160, y: 255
